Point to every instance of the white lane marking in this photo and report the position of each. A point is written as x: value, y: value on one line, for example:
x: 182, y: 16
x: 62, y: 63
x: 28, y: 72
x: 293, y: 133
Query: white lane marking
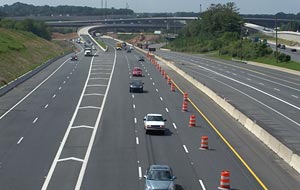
x: 71, y: 72
x: 252, y: 87
x: 82, y: 126
x: 59, y: 88
x: 295, y: 96
x: 101, y: 69
x: 161, y: 98
x: 95, y: 78
x: 167, y: 110
x: 234, y: 74
x: 174, y: 125
x: 276, y: 89
x: 132, y: 95
x: 35, y: 120
x: 64, y: 82
x: 68, y: 77
x: 261, y: 83
x: 46, y: 106
x: 70, y: 158
x: 156, y: 90
x: 83, y: 167
x: 135, y: 120
x: 94, y: 94
x: 140, y: 172
x: 277, y: 82
x: 54, y: 95
x: 150, y: 78
x: 89, y: 107
x: 20, y: 140
x: 33, y: 89
x: 202, y: 184
x: 96, y: 85
x: 148, y: 74
x: 248, y: 79
x: 153, y: 83
x: 137, y: 140
x: 100, y: 73
x: 185, y: 149
x: 133, y: 106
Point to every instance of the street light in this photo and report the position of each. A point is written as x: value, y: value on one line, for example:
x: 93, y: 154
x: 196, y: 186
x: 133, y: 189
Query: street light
x: 276, y: 39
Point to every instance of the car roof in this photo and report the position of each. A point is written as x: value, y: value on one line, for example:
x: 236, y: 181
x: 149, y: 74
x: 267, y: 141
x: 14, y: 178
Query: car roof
x: 154, y: 114
x: 136, y: 80
x: 160, y: 167
x: 136, y: 68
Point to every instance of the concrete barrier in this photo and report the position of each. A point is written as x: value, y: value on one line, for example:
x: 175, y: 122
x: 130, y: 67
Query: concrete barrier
x: 285, y: 153
x: 295, y: 162
x: 26, y: 76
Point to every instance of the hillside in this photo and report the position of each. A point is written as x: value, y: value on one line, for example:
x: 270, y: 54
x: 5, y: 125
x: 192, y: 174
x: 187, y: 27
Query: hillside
x: 21, y: 52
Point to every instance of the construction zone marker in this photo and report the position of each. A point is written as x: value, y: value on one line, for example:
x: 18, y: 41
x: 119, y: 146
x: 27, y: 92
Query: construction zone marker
x: 204, y: 143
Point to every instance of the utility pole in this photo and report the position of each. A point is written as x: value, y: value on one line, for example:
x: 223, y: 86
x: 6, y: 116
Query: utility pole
x: 276, y: 38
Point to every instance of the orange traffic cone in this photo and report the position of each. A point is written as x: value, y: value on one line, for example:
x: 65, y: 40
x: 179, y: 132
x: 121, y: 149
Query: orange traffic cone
x: 204, y: 143
x: 162, y: 72
x: 169, y: 80
x: 184, y: 106
x: 225, y: 180
x: 172, y: 87
x: 185, y: 96
x: 192, y: 122
x: 165, y: 75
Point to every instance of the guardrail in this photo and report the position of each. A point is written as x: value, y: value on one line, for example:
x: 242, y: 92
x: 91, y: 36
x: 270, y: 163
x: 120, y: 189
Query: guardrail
x: 11, y: 85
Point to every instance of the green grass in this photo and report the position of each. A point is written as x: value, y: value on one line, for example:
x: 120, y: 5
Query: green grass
x: 21, y: 52
x: 102, y: 44
x: 126, y: 37
x: 266, y: 60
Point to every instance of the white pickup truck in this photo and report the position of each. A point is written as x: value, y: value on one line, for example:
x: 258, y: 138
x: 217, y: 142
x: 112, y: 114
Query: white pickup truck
x: 88, y: 52
x: 154, y: 122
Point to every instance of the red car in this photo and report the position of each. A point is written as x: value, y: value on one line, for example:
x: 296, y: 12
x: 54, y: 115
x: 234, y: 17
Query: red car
x: 137, y: 71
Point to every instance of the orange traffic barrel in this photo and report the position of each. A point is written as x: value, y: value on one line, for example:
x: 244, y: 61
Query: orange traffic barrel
x: 184, y: 106
x: 204, y: 143
x: 162, y: 72
x: 225, y: 180
x: 165, y: 75
x: 168, y: 80
x: 185, y: 96
x: 192, y: 122
x: 172, y: 87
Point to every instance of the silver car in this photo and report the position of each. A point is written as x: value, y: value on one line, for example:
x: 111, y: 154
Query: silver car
x: 159, y: 177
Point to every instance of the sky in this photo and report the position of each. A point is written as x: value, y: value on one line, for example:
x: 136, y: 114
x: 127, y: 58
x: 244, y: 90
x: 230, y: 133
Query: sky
x: 245, y: 6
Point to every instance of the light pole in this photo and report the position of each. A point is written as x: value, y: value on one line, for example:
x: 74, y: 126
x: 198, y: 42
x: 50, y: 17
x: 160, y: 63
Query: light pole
x: 276, y: 39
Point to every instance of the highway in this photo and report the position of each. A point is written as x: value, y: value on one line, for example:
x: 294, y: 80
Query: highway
x: 78, y: 127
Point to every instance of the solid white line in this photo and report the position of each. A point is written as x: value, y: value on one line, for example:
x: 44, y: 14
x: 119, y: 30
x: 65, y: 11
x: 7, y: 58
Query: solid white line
x: 276, y: 89
x: 140, y: 172
x: 34, y: 121
x: 185, y: 149
x: 133, y: 106
x: 161, y: 98
x: 46, y: 106
x: 70, y: 158
x: 54, y: 96
x: 167, y: 110
x: 295, y: 96
x: 202, y: 184
x: 137, y: 140
x: 135, y: 120
x: 174, y: 125
x: 33, y: 89
x: 89, y: 107
x: 20, y: 140
x: 252, y: 87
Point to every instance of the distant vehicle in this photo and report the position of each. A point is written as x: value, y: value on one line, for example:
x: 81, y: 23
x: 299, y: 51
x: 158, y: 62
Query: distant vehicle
x: 137, y: 72
x: 159, y: 177
x: 282, y: 46
x: 74, y: 58
x: 141, y: 58
x: 136, y: 86
x: 154, y: 122
x: 128, y: 50
x: 94, y: 47
x: 118, y: 46
x: 294, y: 50
x: 278, y: 45
x: 131, y: 48
x: 88, y: 52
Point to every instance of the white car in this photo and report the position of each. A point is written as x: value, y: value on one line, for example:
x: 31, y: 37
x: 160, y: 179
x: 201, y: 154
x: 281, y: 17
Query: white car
x: 87, y: 52
x: 154, y: 122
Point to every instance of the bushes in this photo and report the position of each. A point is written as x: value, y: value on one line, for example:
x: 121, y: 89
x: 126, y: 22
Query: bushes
x: 283, y: 57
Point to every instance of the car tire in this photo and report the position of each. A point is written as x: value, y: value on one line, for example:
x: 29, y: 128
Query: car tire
x: 147, y: 132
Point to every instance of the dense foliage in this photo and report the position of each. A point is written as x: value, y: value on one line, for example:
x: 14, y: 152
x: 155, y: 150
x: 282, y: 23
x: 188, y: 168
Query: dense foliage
x: 220, y: 28
x: 38, y: 28
x: 21, y: 9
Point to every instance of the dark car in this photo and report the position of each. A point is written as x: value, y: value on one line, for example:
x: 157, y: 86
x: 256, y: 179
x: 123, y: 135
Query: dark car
x: 128, y: 50
x: 293, y: 49
x: 141, y: 58
x: 74, y: 58
x: 136, y: 86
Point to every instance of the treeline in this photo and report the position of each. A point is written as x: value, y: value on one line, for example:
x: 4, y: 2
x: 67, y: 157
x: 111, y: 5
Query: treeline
x: 21, y: 9
x: 280, y: 15
x: 220, y: 28
x: 38, y: 28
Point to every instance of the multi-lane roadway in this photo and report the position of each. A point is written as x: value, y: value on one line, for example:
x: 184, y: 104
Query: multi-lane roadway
x: 76, y: 126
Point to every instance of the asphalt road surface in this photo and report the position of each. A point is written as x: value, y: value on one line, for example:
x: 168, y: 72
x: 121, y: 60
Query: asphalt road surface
x: 80, y: 128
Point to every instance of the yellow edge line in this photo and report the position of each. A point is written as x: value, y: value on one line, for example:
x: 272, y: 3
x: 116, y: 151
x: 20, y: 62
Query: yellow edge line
x: 225, y: 141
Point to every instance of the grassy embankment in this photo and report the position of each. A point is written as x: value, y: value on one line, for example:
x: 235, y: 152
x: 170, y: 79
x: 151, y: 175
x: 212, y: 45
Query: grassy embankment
x: 21, y: 52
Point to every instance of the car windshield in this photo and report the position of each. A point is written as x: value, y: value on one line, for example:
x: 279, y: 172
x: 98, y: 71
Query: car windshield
x: 136, y: 82
x: 155, y: 118
x: 159, y: 175
x: 137, y: 69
